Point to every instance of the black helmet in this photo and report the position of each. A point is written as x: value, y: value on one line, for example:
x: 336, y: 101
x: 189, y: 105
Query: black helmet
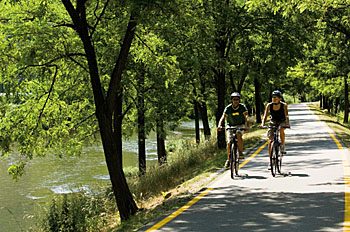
x: 277, y: 93
x: 235, y: 94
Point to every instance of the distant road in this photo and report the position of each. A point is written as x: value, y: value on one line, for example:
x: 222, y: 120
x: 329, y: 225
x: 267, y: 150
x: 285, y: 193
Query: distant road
x: 311, y: 195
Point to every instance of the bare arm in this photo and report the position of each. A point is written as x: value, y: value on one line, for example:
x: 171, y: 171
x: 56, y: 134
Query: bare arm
x: 222, y: 120
x: 265, y: 115
x: 247, y: 119
x: 286, y: 113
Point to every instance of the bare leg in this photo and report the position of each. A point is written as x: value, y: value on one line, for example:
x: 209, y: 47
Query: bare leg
x: 283, y: 137
x: 228, y: 151
x: 240, y: 143
x: 270, y: 145
x: 270, y: 142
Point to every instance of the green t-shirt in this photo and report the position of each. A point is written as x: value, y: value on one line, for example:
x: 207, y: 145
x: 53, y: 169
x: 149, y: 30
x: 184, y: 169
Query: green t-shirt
x: 235, y: 116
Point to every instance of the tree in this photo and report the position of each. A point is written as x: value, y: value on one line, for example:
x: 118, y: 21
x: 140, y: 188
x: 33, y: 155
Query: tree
x: 83, y: 41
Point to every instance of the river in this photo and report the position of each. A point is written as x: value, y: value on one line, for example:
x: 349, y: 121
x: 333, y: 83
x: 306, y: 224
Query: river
x: 46, y: 176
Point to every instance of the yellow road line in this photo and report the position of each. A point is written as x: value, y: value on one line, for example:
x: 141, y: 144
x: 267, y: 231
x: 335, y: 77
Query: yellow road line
x: 346, y: 224
x: 346, y: 167
x: 197, y: 198
x: 179, y: 211
x: 253, y: 155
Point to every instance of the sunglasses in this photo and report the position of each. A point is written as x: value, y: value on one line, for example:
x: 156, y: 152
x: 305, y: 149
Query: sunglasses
x: 235, y: 99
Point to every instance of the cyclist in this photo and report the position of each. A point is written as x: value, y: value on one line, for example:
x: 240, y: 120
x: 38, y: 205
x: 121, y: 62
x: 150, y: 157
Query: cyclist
x: 237, y: 116
x: 278, y: 116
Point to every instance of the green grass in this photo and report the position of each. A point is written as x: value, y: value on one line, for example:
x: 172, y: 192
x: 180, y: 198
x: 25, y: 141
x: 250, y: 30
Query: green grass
x: 78, y: 212
x: 335, y: 122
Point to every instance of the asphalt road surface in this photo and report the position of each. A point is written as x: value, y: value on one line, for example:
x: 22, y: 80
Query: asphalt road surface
x: 312, y: 194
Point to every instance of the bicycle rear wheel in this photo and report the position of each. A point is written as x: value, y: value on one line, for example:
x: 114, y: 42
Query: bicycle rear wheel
x: 232, y: 166
x: 273, y: 160
x: 236, y: 159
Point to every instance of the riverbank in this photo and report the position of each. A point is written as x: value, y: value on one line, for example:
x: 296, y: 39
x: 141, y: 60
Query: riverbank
x: 51, y: 177
x: 189, y: 169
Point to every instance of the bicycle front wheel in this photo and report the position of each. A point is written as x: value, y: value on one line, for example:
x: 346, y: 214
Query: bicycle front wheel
x: 236, y: 159
x: 279, y: 159
x: 232, y: 166
x: 273, y: 160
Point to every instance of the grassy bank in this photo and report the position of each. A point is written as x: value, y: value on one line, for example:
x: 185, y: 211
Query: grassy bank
x: 190, y: 167
x: 335, y: 122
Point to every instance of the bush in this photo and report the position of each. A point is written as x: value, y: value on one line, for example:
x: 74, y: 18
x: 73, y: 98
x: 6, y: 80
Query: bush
x: 288, y: 99
x: 77, y: 212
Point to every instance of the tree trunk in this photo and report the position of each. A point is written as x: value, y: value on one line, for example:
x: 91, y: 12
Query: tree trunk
x: 112, y: 144
x: 346, y: 100
x: 336, y: 107
x: 125, y: 201
x: 221, y: 91
x: 204, y: 113
x: 141, y: 124
x: 257, y: 100
x: 321, y: 101
x: 162, y: 159
x: 220, y: 80
x: 108, y: 109
x: 196, y: 120
x: 244, y: 74
x: 202, y: 106
x: 325, y: 102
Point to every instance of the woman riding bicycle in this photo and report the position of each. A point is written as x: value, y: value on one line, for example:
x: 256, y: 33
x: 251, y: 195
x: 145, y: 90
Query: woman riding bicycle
x: 237, y: 116
x: 279, y: 116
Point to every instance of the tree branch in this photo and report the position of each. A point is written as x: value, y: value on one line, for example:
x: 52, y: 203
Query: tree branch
x: 114, y: 85
x: 144, y: 43
x: 99, y: 18
x: 48, y: 97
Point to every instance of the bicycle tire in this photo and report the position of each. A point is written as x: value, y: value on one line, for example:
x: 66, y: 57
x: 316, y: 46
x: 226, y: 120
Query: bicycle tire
x: 236, y: 159
x: 279, y: 159
x: 232, y: 161
x: 273, y: 160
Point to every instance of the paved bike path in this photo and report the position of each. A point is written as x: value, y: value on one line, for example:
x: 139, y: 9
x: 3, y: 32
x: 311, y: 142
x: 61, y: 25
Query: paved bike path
x: 309, y: 196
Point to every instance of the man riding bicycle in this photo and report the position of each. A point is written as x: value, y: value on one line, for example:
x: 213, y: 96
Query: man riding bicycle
x: 278, y: 116
x: 237, y: 116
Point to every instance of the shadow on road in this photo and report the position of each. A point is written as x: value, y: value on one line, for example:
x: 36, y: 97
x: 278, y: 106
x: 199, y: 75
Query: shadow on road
x: 225, y: 209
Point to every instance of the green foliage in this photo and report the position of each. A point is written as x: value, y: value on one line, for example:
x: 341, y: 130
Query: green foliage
x: 78, y: 212
x: 43, y: 108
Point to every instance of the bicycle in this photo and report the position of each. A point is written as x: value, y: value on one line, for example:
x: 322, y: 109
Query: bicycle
x: 234, y: 156
x: 275, y: 153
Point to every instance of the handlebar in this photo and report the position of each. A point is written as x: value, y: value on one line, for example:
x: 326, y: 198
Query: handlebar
x: 274, y: 127
x: 235, y: 128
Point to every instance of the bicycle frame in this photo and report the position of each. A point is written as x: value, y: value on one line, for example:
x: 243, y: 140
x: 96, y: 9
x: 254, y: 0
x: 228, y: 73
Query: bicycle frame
x: 276, y: 134
x: 234, y: 159
x: 275, y: 154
